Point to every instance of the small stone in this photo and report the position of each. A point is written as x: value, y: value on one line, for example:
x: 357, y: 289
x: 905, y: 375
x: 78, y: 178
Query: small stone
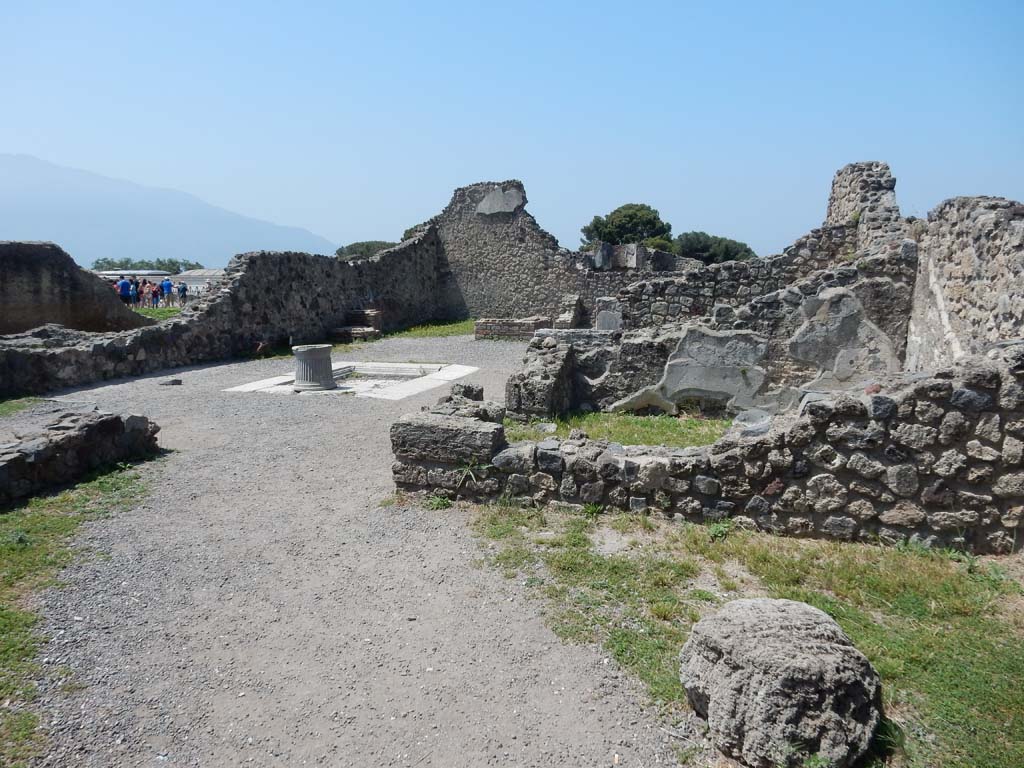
x: 827, y: 493
x: 591, y: 493
x: 864, y: 466
x: 881, y: 407
x: 1013, y: 517
x: 1009, y: 485
x: 971, y: 400
x: 1013, y: 451
x: 954, y: 427
x: 987, y: 427
x: 637, y: 504
x: 862, y: 509
x: 916, y: 436
x: 840, y: 527
x: 951, y: 519
x: 902, y: 479
x: 709, y: 486
x: 981, y: 452
x: 904, y: 513
x: 949, y: 463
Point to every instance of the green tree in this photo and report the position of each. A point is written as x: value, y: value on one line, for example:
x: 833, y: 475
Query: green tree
x: 711, y: 249
x: 630, y: 223
x: 174, y: 266
x: 363, y: 249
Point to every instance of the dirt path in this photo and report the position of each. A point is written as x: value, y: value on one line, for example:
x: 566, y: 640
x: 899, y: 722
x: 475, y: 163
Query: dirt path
x: 258, y: 607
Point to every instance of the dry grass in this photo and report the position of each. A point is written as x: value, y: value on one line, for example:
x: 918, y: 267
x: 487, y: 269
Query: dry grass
x: 942, y: 629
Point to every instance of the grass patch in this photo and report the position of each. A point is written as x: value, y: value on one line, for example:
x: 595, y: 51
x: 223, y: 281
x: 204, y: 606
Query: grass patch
x: 33, y: 546
x: 16, y: 405
x: 433, y: 330
x: 628, y: 429
x: 159, y: 313
x: 943, y: 630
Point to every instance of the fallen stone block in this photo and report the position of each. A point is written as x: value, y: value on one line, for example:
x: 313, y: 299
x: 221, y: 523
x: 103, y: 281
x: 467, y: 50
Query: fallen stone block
x: 779, y: 681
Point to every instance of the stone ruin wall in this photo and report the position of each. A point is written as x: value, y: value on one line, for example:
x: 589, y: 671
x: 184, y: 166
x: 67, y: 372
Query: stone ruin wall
x: 938, y: 461
x: 970, y: 282
x: 40, y: 283
x: 862, y: 216
x: 808, y: 333
x: 505, y: 266
x: 266, y: 299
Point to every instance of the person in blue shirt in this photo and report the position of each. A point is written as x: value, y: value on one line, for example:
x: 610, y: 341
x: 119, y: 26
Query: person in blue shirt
x: 167, y: 286
x: 124, y: 290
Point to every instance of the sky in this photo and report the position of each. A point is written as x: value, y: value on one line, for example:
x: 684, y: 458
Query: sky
x: 357, y: 120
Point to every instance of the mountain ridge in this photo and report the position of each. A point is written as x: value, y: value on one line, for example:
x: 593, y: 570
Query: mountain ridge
x: 91, y: 215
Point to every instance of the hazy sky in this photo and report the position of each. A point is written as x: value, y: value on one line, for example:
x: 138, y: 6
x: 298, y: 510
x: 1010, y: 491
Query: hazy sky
x: 357, y: 120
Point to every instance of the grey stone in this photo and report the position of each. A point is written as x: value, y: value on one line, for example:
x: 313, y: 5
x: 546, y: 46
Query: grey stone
x: 771, y: 674
x: 904, y: 513
x: 987, y: 427
x: 971, y: 400
x: 953, y: 427
x: 709, y: 486
x: 881, y: 407
x: 591, y: 493
x: 862, y: 509
x: 517, y: 459
x: 949, y: 463
x: 902, y: 479
x: 952, y: 519
x: 1013, y: 451
x: 864, y: 466
x: 1009, y: 485
x: 826, y: 493
x: 446, y: 439
x: 840, y: 527
x: 502, y: 200
x: 914, y: 436
x: 981, y: 452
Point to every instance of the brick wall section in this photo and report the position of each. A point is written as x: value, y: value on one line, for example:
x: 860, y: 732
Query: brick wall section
x: 520, y: 329
x: 73, y: 444
x: 939, y: 461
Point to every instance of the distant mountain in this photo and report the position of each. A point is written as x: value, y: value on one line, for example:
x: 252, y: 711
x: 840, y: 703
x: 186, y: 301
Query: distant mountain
x: 91, y: 216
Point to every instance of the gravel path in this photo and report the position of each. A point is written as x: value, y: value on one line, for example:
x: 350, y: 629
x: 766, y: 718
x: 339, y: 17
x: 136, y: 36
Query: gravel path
x: 257, y: 606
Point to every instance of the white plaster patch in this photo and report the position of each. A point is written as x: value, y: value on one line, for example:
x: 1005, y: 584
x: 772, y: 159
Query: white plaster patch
x: 376, y: 380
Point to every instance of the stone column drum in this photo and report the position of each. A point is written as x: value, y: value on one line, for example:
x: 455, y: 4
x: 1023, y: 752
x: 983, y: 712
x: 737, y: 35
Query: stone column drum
x: 313, y: 368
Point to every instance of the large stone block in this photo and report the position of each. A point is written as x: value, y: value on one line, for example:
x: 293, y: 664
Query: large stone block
x: 446, y: 439
x: 774, y: 676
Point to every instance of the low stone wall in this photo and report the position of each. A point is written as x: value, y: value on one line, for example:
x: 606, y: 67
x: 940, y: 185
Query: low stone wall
x: 72, y: 445
x: 695, y: 293
x: 520, y: 329
x: 266, y: 300
x: 937, y: 460
x: 40, y: 284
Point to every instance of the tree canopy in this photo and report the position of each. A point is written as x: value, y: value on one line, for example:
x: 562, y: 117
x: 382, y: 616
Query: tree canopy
x: 630, y: 223
x: 640, y: 223
x: 711, y: 249
x: 364, y: 249
x: 174, y: 266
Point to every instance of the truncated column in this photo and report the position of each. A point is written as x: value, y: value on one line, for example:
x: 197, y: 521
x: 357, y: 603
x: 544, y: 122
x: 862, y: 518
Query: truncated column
x: 313, y: 368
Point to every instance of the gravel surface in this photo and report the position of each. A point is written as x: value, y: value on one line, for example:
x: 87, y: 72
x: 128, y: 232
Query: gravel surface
x: 258, y: 607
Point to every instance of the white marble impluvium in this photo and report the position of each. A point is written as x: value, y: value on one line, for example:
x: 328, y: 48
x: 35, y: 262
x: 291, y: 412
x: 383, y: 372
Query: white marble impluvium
x: 376, y: 380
